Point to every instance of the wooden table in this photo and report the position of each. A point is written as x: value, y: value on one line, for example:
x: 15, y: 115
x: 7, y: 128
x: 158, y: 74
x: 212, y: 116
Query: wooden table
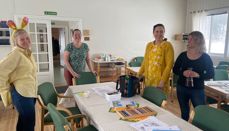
x: 218, y: 90
x: 96, y: 108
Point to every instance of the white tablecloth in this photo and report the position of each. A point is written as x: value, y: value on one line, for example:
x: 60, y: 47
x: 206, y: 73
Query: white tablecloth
x: 96, y: 108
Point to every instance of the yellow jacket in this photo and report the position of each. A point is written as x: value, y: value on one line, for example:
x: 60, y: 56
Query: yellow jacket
x: 18, y: 68
x: 157, y: 64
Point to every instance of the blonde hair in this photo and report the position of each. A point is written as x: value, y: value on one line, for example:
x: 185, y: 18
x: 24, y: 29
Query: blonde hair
x: 198, y: 37
x: 17, y: 33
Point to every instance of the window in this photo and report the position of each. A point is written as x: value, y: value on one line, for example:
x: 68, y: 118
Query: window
x: 216, y: 33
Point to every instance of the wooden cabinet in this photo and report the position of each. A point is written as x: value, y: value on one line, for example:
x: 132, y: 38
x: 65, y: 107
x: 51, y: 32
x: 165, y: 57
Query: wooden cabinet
x: 108, y: 70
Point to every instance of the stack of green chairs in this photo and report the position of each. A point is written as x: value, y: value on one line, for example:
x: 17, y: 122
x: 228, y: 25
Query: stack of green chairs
x: 223, y: 63
x: 220, y: 74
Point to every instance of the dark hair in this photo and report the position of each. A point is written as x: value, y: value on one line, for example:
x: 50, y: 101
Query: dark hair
x: 161, y: 25
x: 76, y: 30
x: 199, y: 38
x: 154, y: 27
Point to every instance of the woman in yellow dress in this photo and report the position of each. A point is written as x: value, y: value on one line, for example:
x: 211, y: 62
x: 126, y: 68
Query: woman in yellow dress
x: 158, y: 60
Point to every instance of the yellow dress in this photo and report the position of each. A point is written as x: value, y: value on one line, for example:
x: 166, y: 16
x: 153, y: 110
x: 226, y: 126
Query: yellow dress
x: 157, y: 64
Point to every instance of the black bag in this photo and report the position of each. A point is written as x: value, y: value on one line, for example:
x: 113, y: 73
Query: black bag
x: 129, y: 85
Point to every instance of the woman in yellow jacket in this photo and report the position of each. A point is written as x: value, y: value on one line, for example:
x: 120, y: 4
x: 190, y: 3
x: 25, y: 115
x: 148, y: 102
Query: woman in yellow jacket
x: 18, y: 72
x: 158, y: 60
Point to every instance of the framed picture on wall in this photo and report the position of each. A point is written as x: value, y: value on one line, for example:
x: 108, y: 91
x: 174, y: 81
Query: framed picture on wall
x: 4, y: 33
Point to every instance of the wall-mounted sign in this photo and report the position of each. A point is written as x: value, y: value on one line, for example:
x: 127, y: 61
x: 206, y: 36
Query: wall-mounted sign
x: 50, y: 13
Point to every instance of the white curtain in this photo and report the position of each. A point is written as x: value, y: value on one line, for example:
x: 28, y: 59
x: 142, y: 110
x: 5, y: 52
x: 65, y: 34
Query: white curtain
x: 199, y: 21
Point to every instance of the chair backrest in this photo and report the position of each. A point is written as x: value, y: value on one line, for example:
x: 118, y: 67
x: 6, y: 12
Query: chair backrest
x: 136, y: 62
x: 59, y: 120
x: 85, y: 78
x: 220, y: 74
x: 154, y: 95
x: 210, y: 119
x: 225, y: 67
x: 47, y: 93
x: 223, y: 63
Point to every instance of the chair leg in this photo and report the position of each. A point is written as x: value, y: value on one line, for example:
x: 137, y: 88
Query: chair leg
x: 42, y: 119
x: 54, y: 128
x: 171, y: 94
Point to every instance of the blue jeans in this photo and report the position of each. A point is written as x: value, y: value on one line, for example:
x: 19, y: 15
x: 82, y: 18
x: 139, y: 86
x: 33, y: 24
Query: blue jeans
x: 26, y: 110
x: 185, y: 94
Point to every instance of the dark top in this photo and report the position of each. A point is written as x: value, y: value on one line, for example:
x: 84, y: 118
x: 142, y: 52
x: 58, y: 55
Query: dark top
x: 203, y: 66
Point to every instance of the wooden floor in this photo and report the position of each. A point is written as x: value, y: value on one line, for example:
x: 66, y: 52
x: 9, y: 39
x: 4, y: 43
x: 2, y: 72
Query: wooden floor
x: 8, y: 116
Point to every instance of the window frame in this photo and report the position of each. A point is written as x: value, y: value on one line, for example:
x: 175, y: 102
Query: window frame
x: 226, y: 47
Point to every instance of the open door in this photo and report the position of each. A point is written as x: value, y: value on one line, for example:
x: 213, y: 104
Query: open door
x: 62, y: 45
x: 40, y: 34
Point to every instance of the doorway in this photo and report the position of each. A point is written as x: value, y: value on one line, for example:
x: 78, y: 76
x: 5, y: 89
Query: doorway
x: 58, y: 45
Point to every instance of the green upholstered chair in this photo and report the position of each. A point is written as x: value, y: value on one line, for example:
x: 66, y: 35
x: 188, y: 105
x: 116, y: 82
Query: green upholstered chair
x: 155, y: 96
x: 225, y: 67
x: 223, y: 63
x: 47, y: 94
x: 85, y: 78
x: 220, y: 74
x: 210, y: 119
x: 136, y: 62
x: 66, y: 123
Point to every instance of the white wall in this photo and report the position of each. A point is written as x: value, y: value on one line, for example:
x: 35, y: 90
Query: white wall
x: 119, y: 27
x: 206, y: 4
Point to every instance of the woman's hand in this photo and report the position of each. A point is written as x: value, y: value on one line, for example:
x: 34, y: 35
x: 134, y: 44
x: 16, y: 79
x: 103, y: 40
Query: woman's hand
x: 94, y: 72
x: 161, y: 85
x: 190, y: 73
x: 74, y: 74
x: 186, y: 73
x: 194, y: 74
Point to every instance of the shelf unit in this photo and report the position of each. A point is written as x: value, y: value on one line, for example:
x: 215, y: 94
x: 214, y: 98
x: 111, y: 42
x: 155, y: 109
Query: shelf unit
x: 108, y: 70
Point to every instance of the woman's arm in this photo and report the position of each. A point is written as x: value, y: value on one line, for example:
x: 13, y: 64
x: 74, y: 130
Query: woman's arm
x: 142, y: 68
x: 169, y: 59
x: 208, y: 72
x: 7, y: 66
x: 67, y: 64
x: 177, y: 68
x: 88, y: 60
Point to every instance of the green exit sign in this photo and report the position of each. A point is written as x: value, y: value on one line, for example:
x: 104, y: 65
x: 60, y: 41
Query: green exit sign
x: 50, y: 13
